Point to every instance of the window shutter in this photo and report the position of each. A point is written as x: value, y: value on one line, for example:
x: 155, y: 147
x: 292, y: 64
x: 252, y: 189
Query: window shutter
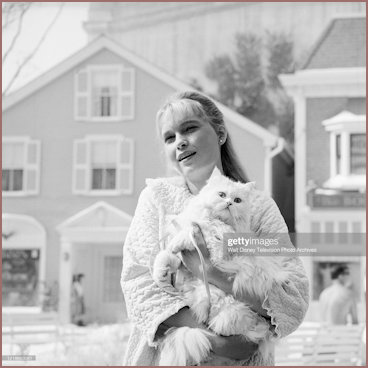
x: 81, y: 91
x: 32, y: 167
x: 125, y: 166
x: 80, y: 167
x: 127, y: 93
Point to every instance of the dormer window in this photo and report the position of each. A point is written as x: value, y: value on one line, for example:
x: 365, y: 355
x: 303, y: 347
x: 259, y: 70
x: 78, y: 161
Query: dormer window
x: 347, y: 151
x: 104, y: 93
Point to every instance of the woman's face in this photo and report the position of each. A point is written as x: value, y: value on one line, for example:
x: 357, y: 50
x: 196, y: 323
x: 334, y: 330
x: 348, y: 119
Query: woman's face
x: 191, y: 146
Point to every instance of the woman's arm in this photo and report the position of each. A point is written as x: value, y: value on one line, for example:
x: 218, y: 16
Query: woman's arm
x: 147, y: 305
x: 233, y: 347
x: 286, y: 303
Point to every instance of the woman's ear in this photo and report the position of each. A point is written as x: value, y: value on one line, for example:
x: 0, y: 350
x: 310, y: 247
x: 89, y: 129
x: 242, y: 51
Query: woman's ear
x: 222, y: 134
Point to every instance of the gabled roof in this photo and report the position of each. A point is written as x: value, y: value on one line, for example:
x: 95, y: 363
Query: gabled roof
x: 103, y: 42
x: 98, y: 215
x: 341, y: 45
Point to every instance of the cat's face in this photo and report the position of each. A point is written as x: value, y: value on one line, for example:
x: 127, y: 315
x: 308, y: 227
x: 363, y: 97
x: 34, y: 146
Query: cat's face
x: 227, y: 200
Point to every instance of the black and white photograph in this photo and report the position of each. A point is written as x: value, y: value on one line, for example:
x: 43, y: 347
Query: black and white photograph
x: 184, y: 183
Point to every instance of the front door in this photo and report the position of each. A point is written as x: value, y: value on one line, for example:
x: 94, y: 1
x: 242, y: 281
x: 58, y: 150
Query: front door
x: 111, y: 306
x: 101, y: 264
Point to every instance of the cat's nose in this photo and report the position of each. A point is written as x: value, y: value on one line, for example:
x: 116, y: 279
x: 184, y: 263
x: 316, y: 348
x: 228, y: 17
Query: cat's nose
x: 229, y: 203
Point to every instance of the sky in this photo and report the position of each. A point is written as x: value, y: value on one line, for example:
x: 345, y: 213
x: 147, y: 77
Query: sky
x: 65, y: 38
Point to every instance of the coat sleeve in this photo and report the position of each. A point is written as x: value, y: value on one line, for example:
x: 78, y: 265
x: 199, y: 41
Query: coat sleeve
x: 286, y: 303
x: 147, y: 305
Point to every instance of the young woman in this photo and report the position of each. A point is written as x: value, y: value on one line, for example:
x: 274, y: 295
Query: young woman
x: 195, y: 140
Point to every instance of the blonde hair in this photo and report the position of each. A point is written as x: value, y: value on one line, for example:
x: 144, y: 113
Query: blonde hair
x: 191, y: 103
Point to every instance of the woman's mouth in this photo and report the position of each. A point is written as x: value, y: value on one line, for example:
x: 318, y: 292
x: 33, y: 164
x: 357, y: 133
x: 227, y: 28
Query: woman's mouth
x: 186, y: 156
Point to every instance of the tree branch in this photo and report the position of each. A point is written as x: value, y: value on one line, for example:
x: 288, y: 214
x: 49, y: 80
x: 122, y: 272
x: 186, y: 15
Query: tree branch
x: 33, y: 52
x: 19, y: 29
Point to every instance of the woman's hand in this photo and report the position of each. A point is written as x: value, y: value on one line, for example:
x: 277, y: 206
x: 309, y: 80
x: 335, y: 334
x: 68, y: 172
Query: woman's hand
x: 233, y: 347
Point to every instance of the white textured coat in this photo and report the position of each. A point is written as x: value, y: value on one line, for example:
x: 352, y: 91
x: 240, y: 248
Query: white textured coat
x: 148, y: 306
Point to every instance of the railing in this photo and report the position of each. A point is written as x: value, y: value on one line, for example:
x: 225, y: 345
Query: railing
x: 318, y: 344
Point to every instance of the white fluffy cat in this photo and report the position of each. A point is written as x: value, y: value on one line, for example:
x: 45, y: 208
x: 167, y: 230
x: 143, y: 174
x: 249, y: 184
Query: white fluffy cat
x: 222, y: 206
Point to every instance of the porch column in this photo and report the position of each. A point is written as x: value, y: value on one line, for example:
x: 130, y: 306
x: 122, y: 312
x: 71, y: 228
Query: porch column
x: 65, y: 280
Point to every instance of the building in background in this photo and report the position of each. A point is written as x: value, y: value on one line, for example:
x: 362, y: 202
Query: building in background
x: 181, y: 37
x: 78, y: 143
x: 330, y: 147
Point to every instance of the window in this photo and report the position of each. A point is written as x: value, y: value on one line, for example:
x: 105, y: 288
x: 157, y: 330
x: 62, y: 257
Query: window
x: 357, y: 154
x: 104, y: 93
x: 348, y: 151
x: 103, y: 165
x: 103, y: 160
x: 20, y: 166
x: 20, y: 277
x: 23, y: 262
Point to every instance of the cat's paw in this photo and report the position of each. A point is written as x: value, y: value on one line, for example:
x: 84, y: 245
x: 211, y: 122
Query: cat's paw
x: 181, y: 241
x: 164, y: 266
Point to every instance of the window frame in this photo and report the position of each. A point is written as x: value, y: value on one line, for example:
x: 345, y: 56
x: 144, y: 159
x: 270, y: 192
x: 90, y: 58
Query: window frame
x: 88, y: 140
x: 120, y: 116
x: 26, y: 166
x: 345, y: 124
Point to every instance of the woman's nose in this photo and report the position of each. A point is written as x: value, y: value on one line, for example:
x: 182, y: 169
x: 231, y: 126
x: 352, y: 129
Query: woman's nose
x: 182, y: 144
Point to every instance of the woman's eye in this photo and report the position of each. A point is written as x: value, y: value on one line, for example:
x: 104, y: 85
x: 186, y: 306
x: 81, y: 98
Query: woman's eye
x: 222, y: 194
x: 190, y: 128
x: 169, y: 139
x: 237, y: 200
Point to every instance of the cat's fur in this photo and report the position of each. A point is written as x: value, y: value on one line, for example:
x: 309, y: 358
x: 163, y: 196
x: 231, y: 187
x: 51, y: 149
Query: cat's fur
x: 222, y: 206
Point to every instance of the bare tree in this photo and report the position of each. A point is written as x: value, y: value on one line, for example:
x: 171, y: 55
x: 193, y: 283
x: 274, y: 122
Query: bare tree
x: 13, y: 14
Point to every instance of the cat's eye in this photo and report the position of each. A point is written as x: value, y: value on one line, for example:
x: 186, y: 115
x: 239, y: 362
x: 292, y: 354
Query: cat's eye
x: 237, y: 200
x: 222, y: 194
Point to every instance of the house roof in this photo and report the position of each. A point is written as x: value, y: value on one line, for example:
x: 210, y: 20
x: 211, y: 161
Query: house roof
x: 98, y: 215
x: 341, y: 45
x: 103, y: 42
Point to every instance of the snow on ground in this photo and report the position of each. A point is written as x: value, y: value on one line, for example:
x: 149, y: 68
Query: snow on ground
x: 98, y: 345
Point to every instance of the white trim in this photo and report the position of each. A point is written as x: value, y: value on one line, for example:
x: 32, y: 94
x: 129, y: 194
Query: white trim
x: 88, y: 140
x: 268, y: 169
x: 300, y: 158
x: 100, y: 204
x: 346, y: 121
x: 26, y: 141
x: 333, y: 82
x: 73, y: 232
x: 103, y: 42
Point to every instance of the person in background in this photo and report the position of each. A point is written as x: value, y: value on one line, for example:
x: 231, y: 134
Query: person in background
x: 78, y: 309
x: 337, y: 301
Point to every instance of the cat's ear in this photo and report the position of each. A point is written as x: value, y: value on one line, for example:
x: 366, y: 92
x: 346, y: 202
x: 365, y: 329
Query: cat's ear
x: 251, y: 185
x: 216, y: 173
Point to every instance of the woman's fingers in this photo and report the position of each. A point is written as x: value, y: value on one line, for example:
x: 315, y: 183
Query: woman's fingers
x: 199, y: 238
